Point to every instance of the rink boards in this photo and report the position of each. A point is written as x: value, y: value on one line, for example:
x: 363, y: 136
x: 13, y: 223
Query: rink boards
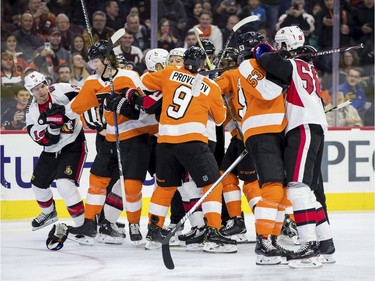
x: 347, y: 169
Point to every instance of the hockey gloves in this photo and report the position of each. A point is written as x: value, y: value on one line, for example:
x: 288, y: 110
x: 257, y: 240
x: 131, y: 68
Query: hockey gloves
x: 121, y: 105
x: 54, y: 116
x: 57, y: 236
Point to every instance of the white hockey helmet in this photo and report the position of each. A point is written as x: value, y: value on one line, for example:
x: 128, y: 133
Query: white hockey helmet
x: 292, y: 36
x: 177, y: 52
x: 34, y: 79
x: 155, y: 56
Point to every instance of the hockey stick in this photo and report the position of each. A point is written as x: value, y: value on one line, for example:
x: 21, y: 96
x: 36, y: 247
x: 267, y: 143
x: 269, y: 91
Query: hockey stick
x: 328, y: 52
x: 197, y: 33
x: 114, y: 38
x: 341, y: 105
x: 166, y: 251
x: 234, y: 29
x: 87, y: 21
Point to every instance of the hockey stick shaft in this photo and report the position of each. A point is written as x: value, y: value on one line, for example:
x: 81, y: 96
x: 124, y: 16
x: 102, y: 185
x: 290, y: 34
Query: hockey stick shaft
x: 115, y: 37
x: 88, y: 26
x: 197, y: 33
x: 218, y: 70
x: 234, y: 29
x: 341, y: 105
x: 328, y: 52
x: 167, y: 258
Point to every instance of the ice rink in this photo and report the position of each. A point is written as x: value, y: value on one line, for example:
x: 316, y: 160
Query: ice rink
x: 24, y: 256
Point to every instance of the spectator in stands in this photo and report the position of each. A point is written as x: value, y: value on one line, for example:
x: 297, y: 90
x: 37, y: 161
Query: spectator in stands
x: 71, y: 8
x: 78, y: 69
x: 272, y: 8
x: 50, y: 55
x: 190, y: 39
x: 141, y: 34
x: 9, y: 74
x: 43, y: 18
x: 363, y: 32
x: 210, y: 31
x: 223, y: 10
x: 174, y: 11
x: 63, y: 74
x: 227, y: 30
x: 166, y: 40
x: 78, y: 46
x: 128, y: 50
x: 296, y: 15
x: 99, y: 29
x: 67, y: 30
x: 353, y: 90
x: 114, y: 21
x: 347, y: 116
x: 18, y: 57
x: 28, y: 40
x: 13, y: 117
x: 348, y: 60
x: 193, y: 19
x: 253, y: 8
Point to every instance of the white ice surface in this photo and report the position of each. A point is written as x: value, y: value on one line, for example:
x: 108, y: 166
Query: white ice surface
x: 24, y: 256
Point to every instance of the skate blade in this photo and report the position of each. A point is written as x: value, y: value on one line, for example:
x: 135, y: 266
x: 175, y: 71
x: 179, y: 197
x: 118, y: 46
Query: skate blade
x: 312, y: 262
x: 194, y: 247
x: 47, y: 223
x: 82, y: 240
x: 106, y: 239
x: 152, y: 245
x: 326, y: 259
x: 138, y: 243
x: 210, y: 247
x: 263, y: 260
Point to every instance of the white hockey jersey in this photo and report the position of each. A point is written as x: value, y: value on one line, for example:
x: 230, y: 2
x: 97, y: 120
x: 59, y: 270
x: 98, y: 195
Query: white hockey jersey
x: 60, y: 93
x: 302, y: 100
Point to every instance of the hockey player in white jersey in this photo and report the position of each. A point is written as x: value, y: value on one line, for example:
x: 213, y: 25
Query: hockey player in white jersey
x: 304, y: 142
x: 64, y: 148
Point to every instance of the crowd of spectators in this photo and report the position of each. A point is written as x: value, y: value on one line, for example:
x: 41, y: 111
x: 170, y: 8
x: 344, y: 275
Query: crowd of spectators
x: 51, y: 36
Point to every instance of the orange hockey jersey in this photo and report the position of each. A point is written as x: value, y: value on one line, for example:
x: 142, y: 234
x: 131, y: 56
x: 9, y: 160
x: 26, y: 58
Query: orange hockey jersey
x: 265, y: 101
x: 95, y: 87
x: 229, y: 82
x: 186, y: 104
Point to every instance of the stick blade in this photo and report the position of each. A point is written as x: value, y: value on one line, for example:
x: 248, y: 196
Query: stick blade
x: 167, y: 257
x: 245, y: 21
x: 114, y: 38
x: 198, y: 31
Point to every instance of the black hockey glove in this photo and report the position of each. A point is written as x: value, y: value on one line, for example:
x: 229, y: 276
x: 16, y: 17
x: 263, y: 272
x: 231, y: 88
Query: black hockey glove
x: 55, y: 116
x: 120, y: 105
x: 57, y: 236
x: 130, y: 95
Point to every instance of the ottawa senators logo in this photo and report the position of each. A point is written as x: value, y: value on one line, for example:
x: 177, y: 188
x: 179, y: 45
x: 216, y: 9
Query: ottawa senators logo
x: 68, y: 171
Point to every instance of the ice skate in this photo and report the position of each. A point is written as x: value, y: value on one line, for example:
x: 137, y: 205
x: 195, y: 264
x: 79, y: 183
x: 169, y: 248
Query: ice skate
x: 327, y: 250
x: 135, y: 233
x: 84, y: 234
x: 174, y: 242
x: 289, y: 233
x: 235, y: 229
x: 155, y: 234
x: 307, y: 256
x: 267, y: 254
x: 43, y: 220
x: 110, y: 234
x: 217, y: 243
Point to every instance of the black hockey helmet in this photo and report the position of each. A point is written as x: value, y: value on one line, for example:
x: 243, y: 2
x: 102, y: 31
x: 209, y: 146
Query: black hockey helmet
x: 304, y: 52
x: 208, y: 46
x: 247, y: 41
x: 231, y: 54
x: 99, y: 50
x: 194, y: 58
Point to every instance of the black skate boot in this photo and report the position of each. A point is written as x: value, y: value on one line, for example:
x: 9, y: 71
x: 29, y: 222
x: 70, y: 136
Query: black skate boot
x: 155, y: 234
x: 307, y: 256
x: 289, y: 231
x: 327, y: 249
x: 267, y: 254
x: 217, y: 243
x: 193, y: 240
x: 235, y: 229
x: 85, y: 233
x: 134, y: 233
x: 110, y: 234
x: 44, y: 219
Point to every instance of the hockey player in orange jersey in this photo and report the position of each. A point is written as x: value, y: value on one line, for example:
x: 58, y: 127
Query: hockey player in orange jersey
x: 263, y: 125
x: 229, y: 82
x: 188, y: 98
x: 133, y: 133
